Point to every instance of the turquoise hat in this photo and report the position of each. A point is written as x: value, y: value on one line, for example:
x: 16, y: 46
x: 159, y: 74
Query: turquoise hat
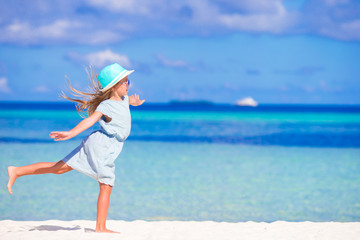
x: 112, y: 74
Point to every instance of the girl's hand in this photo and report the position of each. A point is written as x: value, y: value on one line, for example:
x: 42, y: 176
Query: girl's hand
x: 135, y: 101
x: 61, y: 136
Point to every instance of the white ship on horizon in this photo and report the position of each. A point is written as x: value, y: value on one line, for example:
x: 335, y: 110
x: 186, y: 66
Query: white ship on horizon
x: 247, y: 102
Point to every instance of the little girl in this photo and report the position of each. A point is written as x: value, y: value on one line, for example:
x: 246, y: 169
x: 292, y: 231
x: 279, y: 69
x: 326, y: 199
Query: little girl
x: 95, y: 156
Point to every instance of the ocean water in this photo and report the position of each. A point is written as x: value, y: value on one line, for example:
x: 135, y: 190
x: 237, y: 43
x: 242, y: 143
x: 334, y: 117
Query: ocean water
x: 193, y: 162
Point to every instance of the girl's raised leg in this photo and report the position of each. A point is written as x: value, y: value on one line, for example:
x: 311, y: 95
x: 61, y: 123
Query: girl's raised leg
x: 37, y: 168
x: 103, y: 208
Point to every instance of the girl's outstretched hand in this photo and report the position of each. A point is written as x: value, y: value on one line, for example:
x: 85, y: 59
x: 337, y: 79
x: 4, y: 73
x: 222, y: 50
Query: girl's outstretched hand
x: 61, y: 136
x: 135, y: 101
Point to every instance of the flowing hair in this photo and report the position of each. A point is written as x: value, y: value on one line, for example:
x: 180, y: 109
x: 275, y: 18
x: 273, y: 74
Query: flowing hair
x: 88, y: 101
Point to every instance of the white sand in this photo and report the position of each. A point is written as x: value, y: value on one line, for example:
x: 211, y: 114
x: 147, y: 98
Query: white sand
x: 173, y: 230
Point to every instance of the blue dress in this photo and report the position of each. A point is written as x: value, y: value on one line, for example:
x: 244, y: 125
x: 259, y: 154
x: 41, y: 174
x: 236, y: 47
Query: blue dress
x: 96, y: 154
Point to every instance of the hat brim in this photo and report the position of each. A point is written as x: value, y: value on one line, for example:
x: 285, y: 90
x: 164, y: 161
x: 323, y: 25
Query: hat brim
x: 117, y: 79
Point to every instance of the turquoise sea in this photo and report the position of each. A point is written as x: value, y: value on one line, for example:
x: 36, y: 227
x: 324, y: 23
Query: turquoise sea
x: 193, y: 162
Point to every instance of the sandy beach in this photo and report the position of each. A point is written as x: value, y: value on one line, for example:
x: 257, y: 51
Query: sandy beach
x: 82, y: 229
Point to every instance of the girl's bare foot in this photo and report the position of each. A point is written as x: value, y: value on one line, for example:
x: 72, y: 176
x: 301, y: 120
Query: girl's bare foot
x: 12, y: 178
x: 105, y: 231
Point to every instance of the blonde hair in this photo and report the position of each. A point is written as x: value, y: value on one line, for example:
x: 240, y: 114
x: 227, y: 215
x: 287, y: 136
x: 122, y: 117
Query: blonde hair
x: 89, y: 100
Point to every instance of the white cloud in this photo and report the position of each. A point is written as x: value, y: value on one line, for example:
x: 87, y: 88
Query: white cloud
x: 94, y: 36
x: 269, y: 16
x: 342, y: 31
x: 164, y: 61
x: 95, y: 22
x: 256, y: 6
x: 259, y: 16
x: 335, y: 2
x: 59, y: 31
x: 100, y: 59
x: 319, y: 17
x: 4, y: 88
x: 124, y: 6
x: 171, y: 63
x: 337, y: 19
x: 256, y: 23
x: 23, y: 32
x: 41, y: 89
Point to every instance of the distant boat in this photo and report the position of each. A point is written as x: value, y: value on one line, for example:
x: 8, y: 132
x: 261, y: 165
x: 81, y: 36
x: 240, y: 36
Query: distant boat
x: 247, y: 102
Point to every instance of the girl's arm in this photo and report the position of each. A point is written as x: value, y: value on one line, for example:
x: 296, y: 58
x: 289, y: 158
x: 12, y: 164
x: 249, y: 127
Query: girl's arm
x: 82, y: 126
x: 135, y: 101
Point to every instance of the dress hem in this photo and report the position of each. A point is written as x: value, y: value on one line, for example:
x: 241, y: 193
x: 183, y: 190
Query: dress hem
x: 93, y: 177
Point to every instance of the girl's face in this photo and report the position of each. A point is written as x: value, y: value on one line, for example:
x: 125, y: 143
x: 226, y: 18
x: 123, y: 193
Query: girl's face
x: 122, y: 87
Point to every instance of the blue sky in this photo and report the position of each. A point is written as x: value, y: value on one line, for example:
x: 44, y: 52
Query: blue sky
x: 275, y: 51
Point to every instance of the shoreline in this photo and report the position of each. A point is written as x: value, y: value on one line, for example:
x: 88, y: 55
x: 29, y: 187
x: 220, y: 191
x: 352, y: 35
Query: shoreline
x: 209, y: 230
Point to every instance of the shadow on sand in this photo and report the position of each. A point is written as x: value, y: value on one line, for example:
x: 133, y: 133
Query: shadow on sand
x: 58, y: 228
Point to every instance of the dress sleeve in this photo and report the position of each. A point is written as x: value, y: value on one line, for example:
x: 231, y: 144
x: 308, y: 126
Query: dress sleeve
x: 104, y: 109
